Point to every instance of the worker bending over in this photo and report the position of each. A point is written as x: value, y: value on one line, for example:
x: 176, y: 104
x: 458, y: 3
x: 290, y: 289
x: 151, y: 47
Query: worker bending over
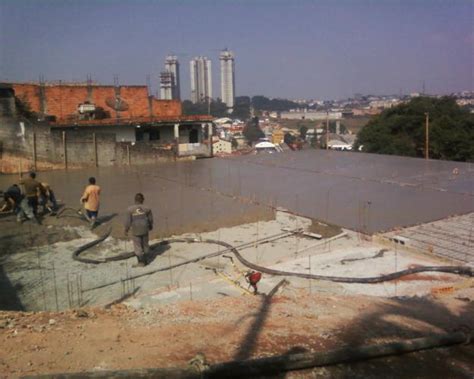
x: 47, y: 199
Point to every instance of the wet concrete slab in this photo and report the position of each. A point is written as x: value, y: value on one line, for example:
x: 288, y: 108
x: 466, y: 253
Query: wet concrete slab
x: 364, y: 192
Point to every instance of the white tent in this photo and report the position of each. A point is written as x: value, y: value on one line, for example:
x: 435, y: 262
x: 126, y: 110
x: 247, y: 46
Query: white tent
x: 264, y: 145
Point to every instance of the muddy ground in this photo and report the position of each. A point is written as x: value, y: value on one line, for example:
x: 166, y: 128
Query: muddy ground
x: 238, y: 328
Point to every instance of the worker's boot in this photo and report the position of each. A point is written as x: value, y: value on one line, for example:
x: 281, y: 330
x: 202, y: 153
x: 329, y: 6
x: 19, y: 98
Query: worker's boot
x: 140, y: 262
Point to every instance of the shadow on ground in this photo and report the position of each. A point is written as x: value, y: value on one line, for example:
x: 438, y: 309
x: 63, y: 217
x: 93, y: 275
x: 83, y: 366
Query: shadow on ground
x: 9, y: 300
x: 393, y: 320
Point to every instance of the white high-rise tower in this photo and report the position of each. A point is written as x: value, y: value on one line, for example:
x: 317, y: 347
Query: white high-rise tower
x: 201, y: 80
x: 227, y: 78
x: 166, y: 85
x: 172, y: 65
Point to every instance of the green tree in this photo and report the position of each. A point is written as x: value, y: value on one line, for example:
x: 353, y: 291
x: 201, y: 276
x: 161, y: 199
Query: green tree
x: 252, y: 131
x: 401, y: 130
x: 23, y: 109
x: 266, y: 104
x: 288, y: 138
x: 242, y: 108
x: 303, y: 131
x: 216, y: 107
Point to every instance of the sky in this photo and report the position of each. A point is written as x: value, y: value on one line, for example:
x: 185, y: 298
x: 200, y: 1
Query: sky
x: 288, y: 49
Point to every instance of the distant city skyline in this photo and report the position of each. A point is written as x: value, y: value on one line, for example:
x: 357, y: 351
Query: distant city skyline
x: 305, y: 49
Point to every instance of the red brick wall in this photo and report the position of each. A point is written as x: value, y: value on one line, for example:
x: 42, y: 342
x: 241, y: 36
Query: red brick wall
x: 62, y: 100
x: 167, y: 107
x: 28, y: 93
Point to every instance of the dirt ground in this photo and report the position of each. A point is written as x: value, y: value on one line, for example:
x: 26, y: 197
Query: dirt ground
x: 237, y: 328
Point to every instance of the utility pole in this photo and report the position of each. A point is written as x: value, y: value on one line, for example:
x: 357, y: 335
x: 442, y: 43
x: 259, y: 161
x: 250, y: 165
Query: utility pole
x: 327, y: 130
x: 427, y: 136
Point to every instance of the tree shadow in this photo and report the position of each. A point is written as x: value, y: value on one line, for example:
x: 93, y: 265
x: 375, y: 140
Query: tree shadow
x: 408, y: 318
x: 248, y: 344
x: 9, y: 299
x: 387, y: 321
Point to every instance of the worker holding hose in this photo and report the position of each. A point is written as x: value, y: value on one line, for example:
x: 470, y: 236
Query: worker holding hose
x: 140, y: 219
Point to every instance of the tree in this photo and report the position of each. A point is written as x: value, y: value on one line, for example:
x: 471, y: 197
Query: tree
x: 216, y: 107
x: 23, y: 109
x: 303, y: 131
x: 252, y: 131
x: 264, y: 103
x: 241, y: 108
x: 401, y: 130
x: 289, y: 138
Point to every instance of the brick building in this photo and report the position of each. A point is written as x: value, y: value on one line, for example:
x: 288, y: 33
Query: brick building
x: 121, y: 114
x: 72, y: 101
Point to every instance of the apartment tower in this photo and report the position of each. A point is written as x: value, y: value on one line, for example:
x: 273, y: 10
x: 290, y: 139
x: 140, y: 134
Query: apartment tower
x: 227, y: 78
x: 201, y: 80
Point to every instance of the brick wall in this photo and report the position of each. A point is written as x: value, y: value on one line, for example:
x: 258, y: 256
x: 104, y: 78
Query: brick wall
x: 62, y: 100
x: 166, y: 107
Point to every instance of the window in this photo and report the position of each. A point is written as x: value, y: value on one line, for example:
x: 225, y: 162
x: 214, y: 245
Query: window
x: 154, y: 135
x: 193, y: 136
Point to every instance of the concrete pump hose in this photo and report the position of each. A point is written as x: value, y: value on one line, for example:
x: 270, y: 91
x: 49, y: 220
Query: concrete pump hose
x: 457, y: 270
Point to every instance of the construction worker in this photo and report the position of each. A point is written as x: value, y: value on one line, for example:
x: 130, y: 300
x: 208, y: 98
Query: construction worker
x: 91, y: 201
x: 17, y: 202
x: 47, y: 196
x: 252, y: 278
x: 140, y: 219
x: 31, y: 190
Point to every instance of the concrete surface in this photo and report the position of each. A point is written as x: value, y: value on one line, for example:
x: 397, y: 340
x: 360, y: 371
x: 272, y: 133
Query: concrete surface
x: 47, y: 278
x: 364, y: 192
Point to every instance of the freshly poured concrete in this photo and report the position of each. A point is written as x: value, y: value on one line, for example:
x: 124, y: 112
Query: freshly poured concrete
x: 365, y: 192
x: 48, y: 278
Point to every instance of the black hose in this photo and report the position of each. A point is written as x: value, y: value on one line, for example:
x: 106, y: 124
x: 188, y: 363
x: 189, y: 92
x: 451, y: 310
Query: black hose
x: 457, y: 270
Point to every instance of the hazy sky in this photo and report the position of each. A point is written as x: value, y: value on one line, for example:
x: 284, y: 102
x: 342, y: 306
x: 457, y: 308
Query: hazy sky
x: 293, y: 48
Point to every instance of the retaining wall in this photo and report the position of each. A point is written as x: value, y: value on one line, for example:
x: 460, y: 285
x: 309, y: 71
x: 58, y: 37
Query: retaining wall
x: 38, y: 147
